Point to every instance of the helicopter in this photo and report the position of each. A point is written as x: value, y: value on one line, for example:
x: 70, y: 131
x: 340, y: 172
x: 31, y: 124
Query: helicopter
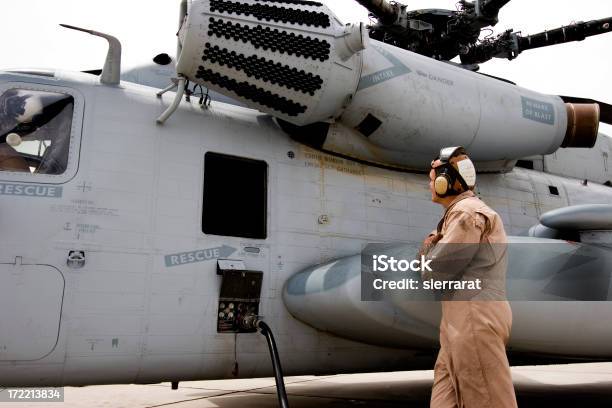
x: 149, y: 236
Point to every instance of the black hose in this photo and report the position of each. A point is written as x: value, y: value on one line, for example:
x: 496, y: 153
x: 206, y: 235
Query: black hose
x: 278, y: 371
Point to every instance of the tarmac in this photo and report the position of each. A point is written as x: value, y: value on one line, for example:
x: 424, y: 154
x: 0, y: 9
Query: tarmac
x: 584, y: 385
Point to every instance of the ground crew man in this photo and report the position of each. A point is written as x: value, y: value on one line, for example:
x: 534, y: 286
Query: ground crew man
x: 472, y: 369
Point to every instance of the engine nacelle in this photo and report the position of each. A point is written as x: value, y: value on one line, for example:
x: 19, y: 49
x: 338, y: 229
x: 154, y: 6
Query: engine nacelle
x: 294, y: 60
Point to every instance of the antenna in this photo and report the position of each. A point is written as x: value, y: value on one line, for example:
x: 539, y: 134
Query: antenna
x: 112, y: 66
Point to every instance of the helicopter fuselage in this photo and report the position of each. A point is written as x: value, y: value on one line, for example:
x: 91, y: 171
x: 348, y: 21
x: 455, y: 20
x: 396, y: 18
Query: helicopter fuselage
x: 107, y: 275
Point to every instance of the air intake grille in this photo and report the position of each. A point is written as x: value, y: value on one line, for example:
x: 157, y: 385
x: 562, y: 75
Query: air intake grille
x: 261, y: 53
x: 271, y: 39
x: 263, y: 69
x: 297, y: 2
x: 252, y: 92
x: 272, y: 13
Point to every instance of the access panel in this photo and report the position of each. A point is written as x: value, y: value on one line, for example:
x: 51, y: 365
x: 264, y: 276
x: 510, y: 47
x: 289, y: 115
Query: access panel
x: 31, y: 299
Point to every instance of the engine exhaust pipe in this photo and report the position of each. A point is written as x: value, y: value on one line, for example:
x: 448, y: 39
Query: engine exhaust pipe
x: 582, y: 125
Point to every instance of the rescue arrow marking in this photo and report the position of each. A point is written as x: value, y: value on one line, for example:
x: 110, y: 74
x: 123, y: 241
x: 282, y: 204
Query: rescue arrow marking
x: 385, y: 75
x: 200, y: 255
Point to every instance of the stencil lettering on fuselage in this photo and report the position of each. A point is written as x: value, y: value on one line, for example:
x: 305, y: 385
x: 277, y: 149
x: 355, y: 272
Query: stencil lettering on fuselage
x: 200, y: 255
x: 385, y: 75
x: 315, y: 159
x: 538, y: 111
x: 29, y: 190
x: 84, y: 207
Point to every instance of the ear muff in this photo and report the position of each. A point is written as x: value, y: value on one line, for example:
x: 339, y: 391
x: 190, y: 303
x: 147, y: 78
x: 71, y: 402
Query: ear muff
x: 442, y: 184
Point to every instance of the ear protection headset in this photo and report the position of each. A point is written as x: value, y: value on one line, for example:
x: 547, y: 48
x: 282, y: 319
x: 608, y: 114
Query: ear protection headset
x: 447, y: 175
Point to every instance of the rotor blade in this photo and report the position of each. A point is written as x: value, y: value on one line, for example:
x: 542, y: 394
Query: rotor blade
x: 605, y: 115
x: 386, y: 12
x: 492, y: 7
x: 574, y: 32
x: 498, y: 78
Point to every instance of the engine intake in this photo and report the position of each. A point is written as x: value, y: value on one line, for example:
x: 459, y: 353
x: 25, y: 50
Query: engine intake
x: 292, y: 59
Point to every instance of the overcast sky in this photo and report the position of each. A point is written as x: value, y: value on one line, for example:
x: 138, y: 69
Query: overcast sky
x: 30, y: 37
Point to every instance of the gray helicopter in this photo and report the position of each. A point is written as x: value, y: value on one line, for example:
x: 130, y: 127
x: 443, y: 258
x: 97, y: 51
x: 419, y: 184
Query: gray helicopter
x: 150, y: 234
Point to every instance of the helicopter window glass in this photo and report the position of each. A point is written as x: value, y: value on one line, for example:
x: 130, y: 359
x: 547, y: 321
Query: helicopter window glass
x: 235, y: 196
x: 35, y: 131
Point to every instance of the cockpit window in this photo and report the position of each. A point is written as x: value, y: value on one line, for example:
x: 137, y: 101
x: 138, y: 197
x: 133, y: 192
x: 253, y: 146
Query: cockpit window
x: 35, y: 131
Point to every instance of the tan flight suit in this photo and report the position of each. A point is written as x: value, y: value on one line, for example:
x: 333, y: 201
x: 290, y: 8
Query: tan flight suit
x: 472, y: 368
x: 10, y: 160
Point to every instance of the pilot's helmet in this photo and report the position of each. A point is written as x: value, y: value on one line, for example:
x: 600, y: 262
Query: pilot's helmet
x: 32, y: 106
x: 18, y: 107
x: 12, y: 105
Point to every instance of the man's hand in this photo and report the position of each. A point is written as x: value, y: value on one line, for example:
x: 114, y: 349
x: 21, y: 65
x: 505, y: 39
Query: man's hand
x: 432, y: 239
x: 429, y: 242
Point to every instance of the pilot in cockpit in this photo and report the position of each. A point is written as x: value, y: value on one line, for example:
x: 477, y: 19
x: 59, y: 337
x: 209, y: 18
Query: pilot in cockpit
x: 12, y: 112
